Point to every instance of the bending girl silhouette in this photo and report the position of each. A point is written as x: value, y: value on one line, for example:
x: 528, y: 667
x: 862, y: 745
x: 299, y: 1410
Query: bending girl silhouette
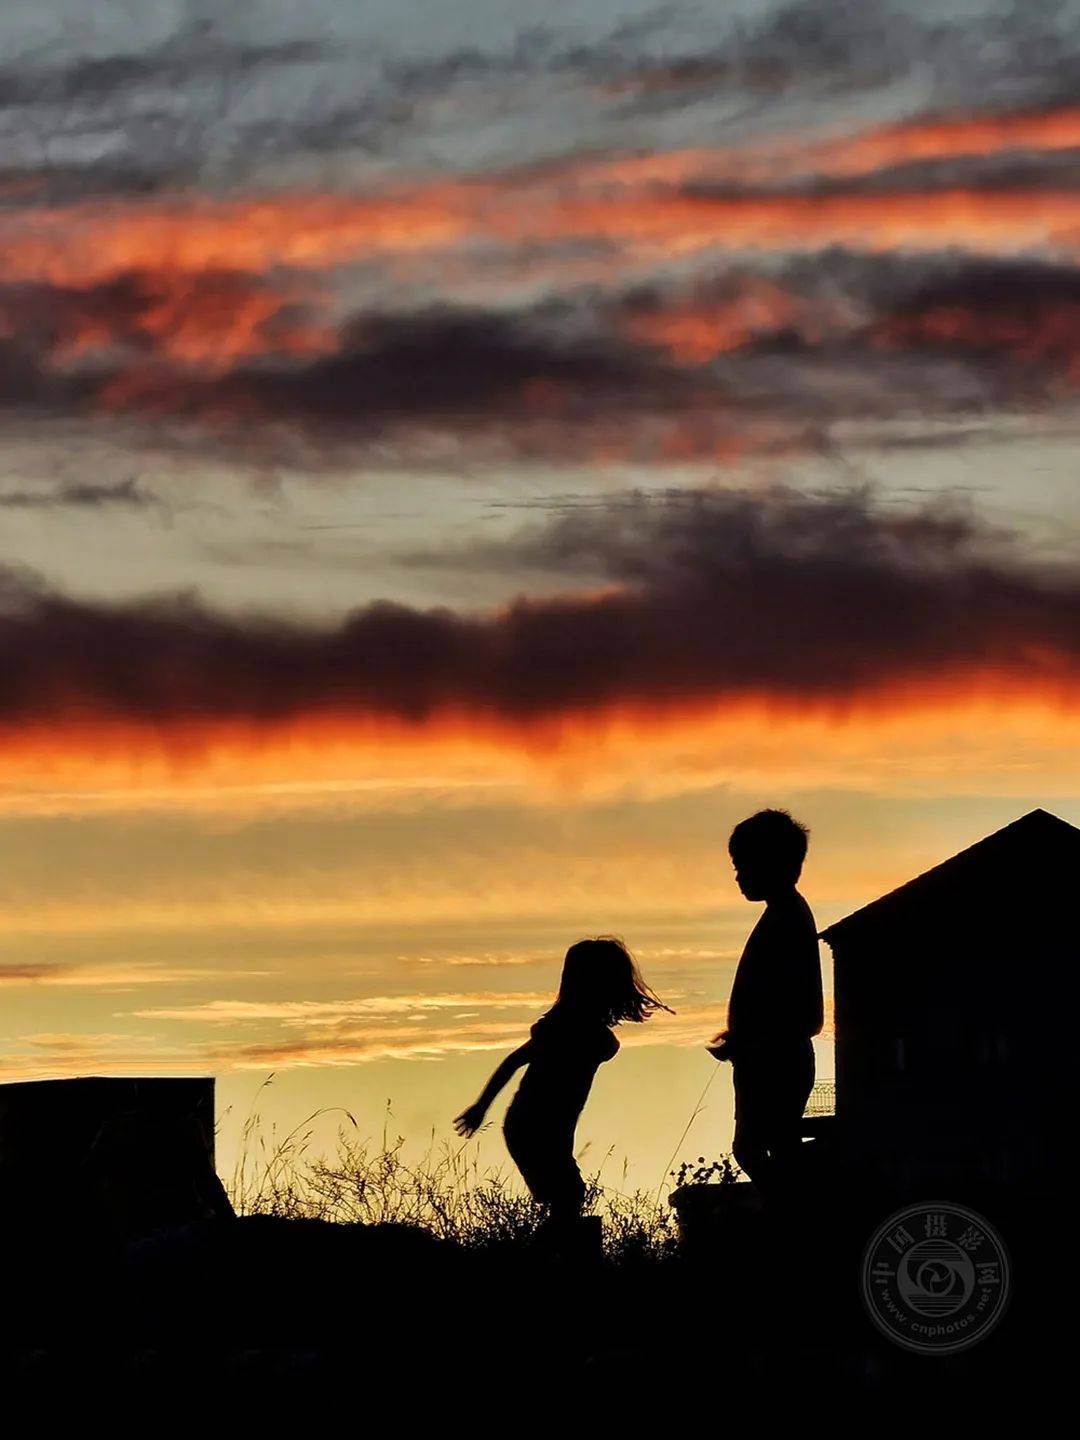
x: 600, y: 987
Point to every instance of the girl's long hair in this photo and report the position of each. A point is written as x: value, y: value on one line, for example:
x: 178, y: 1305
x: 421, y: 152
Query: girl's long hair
x: 601, y: 978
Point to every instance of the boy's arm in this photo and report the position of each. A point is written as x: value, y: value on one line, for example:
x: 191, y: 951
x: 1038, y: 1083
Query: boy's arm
x: 470, y: 1120
x: 805, y: 1006
x: 816, y: 1000
x: 722, y: 1046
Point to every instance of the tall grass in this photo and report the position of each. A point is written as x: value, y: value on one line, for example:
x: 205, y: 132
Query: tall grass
x: 448, y: 1191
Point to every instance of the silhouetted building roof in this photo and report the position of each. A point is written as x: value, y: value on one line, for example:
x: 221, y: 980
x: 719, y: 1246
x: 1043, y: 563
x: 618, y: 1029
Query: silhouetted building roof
x: 127, y: 1153
x: 1014, y: 866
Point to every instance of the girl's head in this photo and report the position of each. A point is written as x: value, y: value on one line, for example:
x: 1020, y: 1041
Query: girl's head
x: 600, y: 977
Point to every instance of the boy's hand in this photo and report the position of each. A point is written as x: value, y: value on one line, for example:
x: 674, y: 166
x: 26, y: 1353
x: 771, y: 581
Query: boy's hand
x: 469, y: 1121
x: 720, y: 1047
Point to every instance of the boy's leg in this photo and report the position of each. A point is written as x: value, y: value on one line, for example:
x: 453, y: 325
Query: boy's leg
x: 750, y: 1144
x: 791, y: 1081
x: 770, y: 1097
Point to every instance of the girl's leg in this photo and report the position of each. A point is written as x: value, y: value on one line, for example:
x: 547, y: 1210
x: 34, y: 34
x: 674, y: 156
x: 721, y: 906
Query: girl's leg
x: 547, y: 1165
x: 567, y: 1191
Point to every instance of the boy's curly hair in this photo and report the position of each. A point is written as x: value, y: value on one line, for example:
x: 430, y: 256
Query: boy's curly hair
x: 771, y: 835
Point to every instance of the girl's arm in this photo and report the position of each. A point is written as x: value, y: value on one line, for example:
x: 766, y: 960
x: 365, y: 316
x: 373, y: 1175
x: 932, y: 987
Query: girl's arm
x: 470, y: 1120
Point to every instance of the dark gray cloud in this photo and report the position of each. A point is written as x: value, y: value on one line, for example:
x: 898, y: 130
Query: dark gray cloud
x: 214, y: 99
x: 798, y: 346
x: 861, y: 339
x: 797, y: 47
x: 192, y: 51
x: 82, y: 495
x: 453, y: 362
x: 504, y: 383
x: 994, y: 174
x: 712, y: 595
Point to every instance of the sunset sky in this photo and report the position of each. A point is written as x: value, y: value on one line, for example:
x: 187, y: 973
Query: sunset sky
x: 462, y: 457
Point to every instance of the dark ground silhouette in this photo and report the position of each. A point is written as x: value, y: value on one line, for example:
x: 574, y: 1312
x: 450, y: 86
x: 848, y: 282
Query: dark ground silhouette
x: 760, y: 1315
x: 763, y: 1314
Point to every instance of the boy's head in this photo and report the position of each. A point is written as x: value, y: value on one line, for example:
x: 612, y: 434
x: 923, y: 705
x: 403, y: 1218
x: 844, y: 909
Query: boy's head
x: 768, y: 851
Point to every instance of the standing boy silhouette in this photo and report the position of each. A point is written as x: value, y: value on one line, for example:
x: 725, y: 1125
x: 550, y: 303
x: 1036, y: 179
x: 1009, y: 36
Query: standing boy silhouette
x: 775, y: 1004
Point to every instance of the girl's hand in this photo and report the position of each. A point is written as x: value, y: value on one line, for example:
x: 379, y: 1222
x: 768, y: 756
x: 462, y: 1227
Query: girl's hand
x: 469, y: 1121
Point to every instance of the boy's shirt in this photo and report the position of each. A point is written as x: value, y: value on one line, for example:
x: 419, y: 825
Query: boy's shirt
x: 776, y: 997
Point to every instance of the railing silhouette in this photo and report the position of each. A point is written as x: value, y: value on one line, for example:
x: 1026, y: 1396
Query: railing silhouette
x: 822, y: 1099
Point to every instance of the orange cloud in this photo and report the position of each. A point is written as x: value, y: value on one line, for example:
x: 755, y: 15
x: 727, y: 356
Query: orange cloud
x: 91, y: 242
x: 633, y: 200
x: 328, y: 1013
x: 104, y: 977
x: 694, y: 333
x: 948, y: 136
x: 681, y: 223
x: 694, y: 330
x: 359, y: 1045
x: 988, y: 733
x: 209, y: 320
x: 782, y: 158
x: 49, y: 1053
x: 372, y: 1043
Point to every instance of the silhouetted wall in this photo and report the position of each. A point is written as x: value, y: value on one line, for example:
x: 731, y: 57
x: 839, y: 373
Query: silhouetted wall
x: 107, y: 1154
x: 955, y: 1004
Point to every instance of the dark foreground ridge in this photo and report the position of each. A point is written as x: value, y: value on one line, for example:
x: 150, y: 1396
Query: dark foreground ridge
x: 759, y: 1310
x: 125, y: 1267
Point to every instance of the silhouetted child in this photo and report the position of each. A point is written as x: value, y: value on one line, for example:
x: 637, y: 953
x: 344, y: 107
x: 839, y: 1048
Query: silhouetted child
x: 600, y: 987
x: 776, y: 1003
